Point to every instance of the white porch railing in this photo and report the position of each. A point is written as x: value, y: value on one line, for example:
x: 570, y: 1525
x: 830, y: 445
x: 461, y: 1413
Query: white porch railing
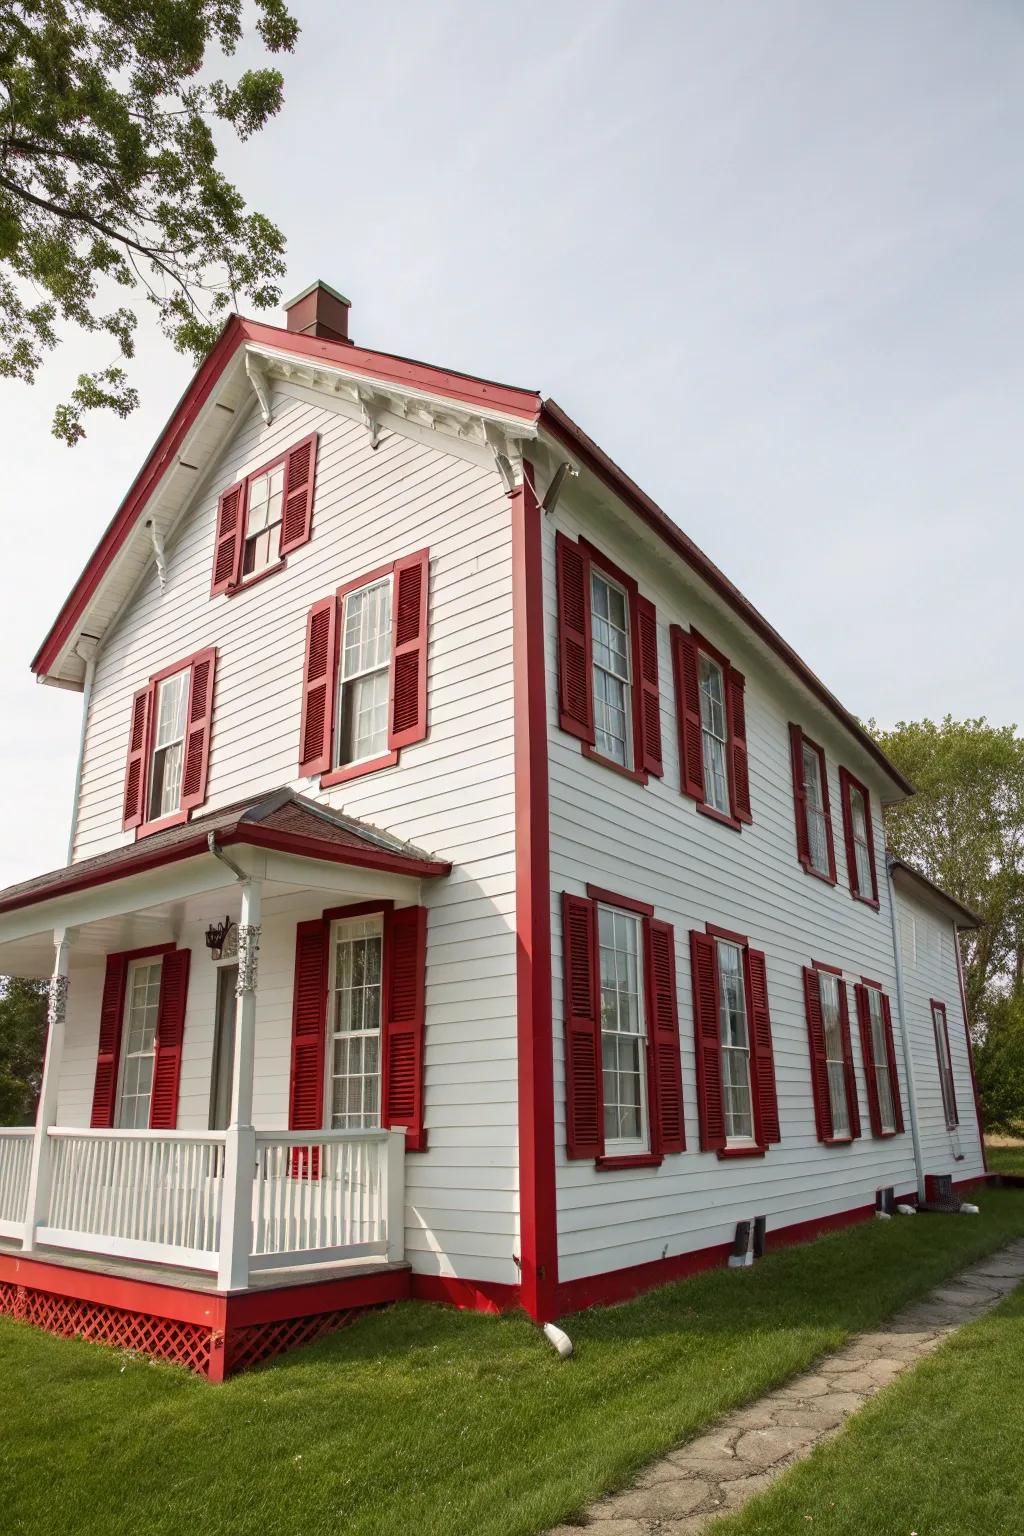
x: 137, y: 1195
x: 15, y: 1162
x: 336, y: 1195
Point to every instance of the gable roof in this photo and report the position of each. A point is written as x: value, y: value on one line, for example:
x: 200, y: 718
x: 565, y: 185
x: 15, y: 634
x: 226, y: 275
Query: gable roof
x: 283, y: 821
x: 906, y: 875
x: 222, y: 372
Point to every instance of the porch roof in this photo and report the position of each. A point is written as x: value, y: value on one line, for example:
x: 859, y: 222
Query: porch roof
x: 284, y: 822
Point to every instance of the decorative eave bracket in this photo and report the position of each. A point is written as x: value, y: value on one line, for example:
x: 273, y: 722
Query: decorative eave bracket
x: 260, y: 381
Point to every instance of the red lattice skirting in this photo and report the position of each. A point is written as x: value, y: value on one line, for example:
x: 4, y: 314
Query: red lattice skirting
x: 213, y: 1335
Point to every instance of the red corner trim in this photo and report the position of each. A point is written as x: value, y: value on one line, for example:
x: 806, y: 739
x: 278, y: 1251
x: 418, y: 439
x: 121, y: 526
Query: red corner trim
x: 726, y: 933
x: 538, y: 1221
x: 627, y: 903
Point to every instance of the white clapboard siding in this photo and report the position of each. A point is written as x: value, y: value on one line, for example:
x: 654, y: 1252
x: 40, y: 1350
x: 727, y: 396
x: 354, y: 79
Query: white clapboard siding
x: 451, y: 794
x: 649, y: 842
x: 929, y: 966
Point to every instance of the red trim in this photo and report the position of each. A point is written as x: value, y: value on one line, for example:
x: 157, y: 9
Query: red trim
x: 833, y: 970
x: 627, y: 903
x: 848, y: 782
x: 727, y: 934
x: 727, y: 821
x: 539, y: 1258
x: 629, y: 1160
x: 970, y: 1047
x: 554, y: 421
x: 635, y: 775
x: 370, y: 577
x: 254, y: 581
x: 357, y: 770
x: 357, y: 909
x: 469, y: 1295
x: 727, y: 1152
x: 866, y: 981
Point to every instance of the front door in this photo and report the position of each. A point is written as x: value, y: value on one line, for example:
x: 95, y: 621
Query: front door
x: 223, y: 1048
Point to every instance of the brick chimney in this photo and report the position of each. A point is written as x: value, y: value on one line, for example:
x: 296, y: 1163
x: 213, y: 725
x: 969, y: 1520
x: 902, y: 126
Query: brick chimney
x: 319, y: 311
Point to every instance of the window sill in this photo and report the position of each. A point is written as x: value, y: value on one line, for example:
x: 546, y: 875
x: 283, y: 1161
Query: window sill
x: 254, y: 581
x: 637, y: 775
x: 177, y: 820
x: 886, y: 1135
x: 726, y: 1154
x: 866, y: 901
x: 716, y: 815
x: 629, y: 1160
x: 836, y: 1141
x: 809, y: 869
x: 357, y: 770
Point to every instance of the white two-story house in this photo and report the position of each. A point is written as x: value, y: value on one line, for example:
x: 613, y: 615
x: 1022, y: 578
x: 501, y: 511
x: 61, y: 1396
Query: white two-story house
x: 470, y: 895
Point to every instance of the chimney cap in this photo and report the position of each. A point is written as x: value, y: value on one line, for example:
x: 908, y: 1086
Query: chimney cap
x: 319, y: 283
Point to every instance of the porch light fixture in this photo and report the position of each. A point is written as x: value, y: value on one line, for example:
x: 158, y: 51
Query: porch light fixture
x: 216, y: 937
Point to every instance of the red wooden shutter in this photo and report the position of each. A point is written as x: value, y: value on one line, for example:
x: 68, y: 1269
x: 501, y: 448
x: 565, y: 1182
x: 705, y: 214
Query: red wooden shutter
x: 894, y: 1076
x: 796, y: 748
x: 867, y: 1050
x: 299, y: 476
x: 708, y: 1041
x: 227, y: 544
x: 197, y: 731
x: 584, y: 1089
x: 826, y: 806
x: 762, y: 1054
x: 691, y: 747
x: 668, y: 1130
x: 109, y: 1052
x: 316, y: 732
x: 852, y: 1100
x: 135, y: 777
x: 739, y: 781
x: 405, y: 964
x: 309, y: 1022
x: 650, y: 693
x: 170, y: 1032
x: 575, y: 669
x: 819, y: 1064
x: 410, y: 606
x: 940, y: 1008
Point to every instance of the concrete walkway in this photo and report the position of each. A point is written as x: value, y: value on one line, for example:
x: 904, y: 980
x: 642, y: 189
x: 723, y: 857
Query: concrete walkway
x: 686, y: 1490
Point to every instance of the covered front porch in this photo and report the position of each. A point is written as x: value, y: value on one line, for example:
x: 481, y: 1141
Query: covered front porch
x: 177, y: 1171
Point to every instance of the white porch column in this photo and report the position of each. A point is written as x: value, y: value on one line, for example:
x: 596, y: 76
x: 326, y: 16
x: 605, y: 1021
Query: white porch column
x: 38, y: 1200
x: 395, y: 1207
x: 240, y: 1141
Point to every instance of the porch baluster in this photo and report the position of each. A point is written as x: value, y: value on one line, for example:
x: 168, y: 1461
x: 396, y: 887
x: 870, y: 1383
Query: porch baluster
x: 38, y: 1201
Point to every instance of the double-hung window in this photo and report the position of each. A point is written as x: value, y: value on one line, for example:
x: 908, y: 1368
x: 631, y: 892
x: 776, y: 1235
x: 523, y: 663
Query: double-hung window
x: 263, y: 522
x: 815, y: 846
x: 138, y: 1052
x: 363, y: 674
x: 623, y: 1032
x: 859, y: 837
x: 735, y: 1041
x: 169, y: 745
x: 263, y: 518
x: 880, y: 1061
x: 354, y: 1014
x: 833, y: 1078
x: 714, y: 734
x: 711, y: 716
x: 171, y: 709
x: 835, y: 1056
x: 941, y: 1031
x: 609, y: 608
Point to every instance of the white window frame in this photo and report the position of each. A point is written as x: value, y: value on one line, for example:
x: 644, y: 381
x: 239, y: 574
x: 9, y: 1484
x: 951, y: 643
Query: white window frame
x: 625, y: 1145
x: 810, y: 753
x: 880, y: 1052
x: 835, y: 1064
x: 598, y: 573
x: 337, y: 932
x: 745, y: 1051
x: 276, y: 466
x: 947, y: 1084
x: 134, y: 966
x: 346, y: 680
x: 154, y: 812
x: 861, y: 845
x: 708, y: 734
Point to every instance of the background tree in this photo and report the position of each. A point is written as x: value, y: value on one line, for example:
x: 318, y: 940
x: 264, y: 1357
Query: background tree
x: 109, y: 181
x: 965, y: 829
x: 999, y: 1063
x: 22, y: 1041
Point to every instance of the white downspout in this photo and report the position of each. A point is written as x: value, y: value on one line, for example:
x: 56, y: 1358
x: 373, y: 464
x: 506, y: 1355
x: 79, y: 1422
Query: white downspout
x: 908, y: 1060
x: 87, y: 649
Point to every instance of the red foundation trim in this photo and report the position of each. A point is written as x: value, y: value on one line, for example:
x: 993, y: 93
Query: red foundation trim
x: 468, y: 1295
x: 537, y: 1216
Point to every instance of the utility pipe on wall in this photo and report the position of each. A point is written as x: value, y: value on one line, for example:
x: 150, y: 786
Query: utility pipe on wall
x: 908, y: 1060
x: 87, y: 649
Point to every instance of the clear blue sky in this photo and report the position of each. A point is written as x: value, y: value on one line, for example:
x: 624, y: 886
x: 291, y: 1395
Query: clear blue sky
x: 768, y: 254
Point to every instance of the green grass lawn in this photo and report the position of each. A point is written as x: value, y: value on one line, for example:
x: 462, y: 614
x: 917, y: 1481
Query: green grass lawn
x: 938, y: 1453
x: 421, y: 1419
x: 1005, y: 1159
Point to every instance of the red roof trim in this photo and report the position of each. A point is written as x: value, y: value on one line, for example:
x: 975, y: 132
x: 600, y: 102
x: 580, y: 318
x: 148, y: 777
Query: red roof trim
x: 555, y: 421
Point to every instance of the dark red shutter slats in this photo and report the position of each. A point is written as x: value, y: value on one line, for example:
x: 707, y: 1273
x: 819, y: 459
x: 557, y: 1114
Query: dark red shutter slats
x: 316, y: 731
x: 890, y: 1051
x: 766, y: 1103
x: 584, y: 1097
x: 819, y: 1065
x: 135, y: 776
x: 170, y: 1034
x: 691, y: 748
x: 867, y: 1051
x: 405, y: 952
x: 299, y: 477
x: 740, y: 771
x: 198, y: 730
x: 707, y: 1041
x: 309, y: 1022
x: 848, y: 838
x: 109, y: 1050
x: 850, y: 1076
x: 796, y: 751
x: 650, y: 755
x: 949, y: 1058
x: 227, y: 545
x: 668, y: 1131
x: 575, y: 672
x: 410, y: 609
